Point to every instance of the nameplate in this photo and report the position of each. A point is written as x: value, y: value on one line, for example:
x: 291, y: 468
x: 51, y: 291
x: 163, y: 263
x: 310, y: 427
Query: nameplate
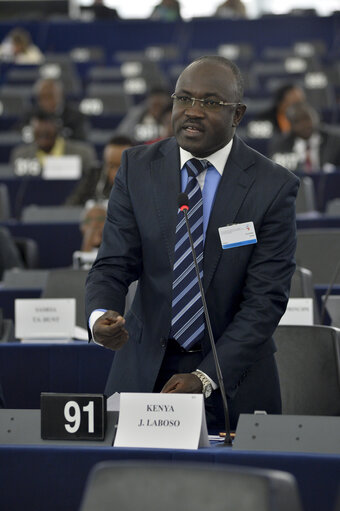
x: 45, y: 318
x: 72, y: 416
x: 169, y: 421
x: 62, y: 167
x: 299, y: 312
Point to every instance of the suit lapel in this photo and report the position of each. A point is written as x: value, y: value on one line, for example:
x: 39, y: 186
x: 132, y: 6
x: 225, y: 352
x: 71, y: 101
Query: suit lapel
x: 165, y: 179
x: 231, y: 192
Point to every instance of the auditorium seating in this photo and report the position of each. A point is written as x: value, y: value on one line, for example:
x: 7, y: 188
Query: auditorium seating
x: 318, y: 250
x: 183, y: 486
x: 308, y: 360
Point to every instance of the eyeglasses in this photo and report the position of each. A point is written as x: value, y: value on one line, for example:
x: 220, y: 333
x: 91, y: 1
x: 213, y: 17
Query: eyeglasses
x: 208, y: 104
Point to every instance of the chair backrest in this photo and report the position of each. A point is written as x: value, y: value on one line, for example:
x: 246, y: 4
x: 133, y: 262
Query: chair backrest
x: 308, y: 360
x: 29, y: 251
x: 150, y: 486
x: 105, y: 98
x: 318, y: 250
x: 6, y: 332
x: 68, y: 283
x: 305, y: 200
x: 5, y: 207
x: 302, y: 287
x: 333, y: 207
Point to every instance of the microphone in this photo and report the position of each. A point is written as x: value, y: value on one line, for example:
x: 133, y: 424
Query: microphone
x: 183, y: 204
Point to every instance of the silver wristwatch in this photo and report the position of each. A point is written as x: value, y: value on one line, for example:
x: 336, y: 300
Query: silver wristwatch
x: 207, y: 387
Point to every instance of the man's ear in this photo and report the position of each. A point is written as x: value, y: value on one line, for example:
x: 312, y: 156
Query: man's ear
x: 238, y: 115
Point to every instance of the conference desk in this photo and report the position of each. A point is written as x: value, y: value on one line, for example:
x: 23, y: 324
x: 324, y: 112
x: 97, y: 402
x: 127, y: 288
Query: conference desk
x: 56, y: 241
x: 54, y: 478
x: 24, y: 191
x: 26, y: 370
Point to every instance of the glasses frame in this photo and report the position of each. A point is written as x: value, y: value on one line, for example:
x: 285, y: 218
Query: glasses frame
x: 203, y: 102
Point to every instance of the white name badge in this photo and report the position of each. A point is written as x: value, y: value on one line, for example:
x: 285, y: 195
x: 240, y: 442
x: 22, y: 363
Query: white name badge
x: 169, y: 421
x: 45, y: 318
x: 62, y: 167
x: 236, y: 235
x: 299, y: 312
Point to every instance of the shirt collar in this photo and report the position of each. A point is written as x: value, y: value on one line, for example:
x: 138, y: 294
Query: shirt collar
x: 217, y: 159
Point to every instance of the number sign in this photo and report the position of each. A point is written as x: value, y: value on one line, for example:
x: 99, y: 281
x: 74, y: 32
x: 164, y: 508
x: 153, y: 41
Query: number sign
x: 72, y: 416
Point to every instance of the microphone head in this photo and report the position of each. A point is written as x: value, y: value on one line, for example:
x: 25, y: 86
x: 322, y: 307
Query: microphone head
x: 183, y: 201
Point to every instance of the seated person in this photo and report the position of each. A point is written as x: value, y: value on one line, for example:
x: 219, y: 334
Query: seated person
x: 143, y: 121
x: 91, y: 227
x: 286, y: 95
x: 165, y: 125
x: 99, y: 11
x: 166, y: 10
x: 97, y: 184
x: 18, y: 48
x: 9, y: 254
x: 49, y: 97
x: 231, y: 9
x: 310, y: 146
x: 49, y: 142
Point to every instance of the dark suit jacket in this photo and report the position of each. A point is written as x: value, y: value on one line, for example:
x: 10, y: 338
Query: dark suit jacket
x: 329, y: 146
x: 246, y: 287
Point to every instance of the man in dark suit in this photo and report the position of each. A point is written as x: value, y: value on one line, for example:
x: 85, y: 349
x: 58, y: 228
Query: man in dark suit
x: 246, y: 287
x: 309, y: 146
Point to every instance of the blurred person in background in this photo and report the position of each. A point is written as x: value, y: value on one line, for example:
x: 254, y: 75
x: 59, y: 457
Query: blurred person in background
x: 167, y: 10
x: 99, y: 11
x: 18, y: 47
x: 97, y: 184
x: 231, y: 9
x: 143, y: 121
x: 48, y: 141
x: 286, y: 95
x: 165, y: 125
x: 91, y: 228
x: 49, y: 97
x: 92, y: 225
x: 309, y: 146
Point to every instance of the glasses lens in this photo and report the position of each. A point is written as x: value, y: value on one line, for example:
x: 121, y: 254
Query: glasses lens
x: 212, y: 105
x: 183, y: 101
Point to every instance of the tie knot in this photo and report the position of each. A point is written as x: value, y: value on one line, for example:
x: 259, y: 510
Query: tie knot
x: 195, y: 166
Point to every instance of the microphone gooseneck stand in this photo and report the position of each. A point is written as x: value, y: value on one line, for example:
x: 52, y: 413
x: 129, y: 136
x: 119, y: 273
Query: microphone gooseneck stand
x: 183, y: 203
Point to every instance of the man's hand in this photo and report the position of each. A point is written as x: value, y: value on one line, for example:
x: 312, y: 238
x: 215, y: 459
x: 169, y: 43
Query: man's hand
x: 109, y: 330
x: 186, y: 383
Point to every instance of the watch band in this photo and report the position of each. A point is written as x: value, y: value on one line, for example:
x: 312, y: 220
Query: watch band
x: 207, y: 387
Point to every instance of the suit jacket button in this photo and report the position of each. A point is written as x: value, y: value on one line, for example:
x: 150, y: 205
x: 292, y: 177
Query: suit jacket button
x: 164, y: 342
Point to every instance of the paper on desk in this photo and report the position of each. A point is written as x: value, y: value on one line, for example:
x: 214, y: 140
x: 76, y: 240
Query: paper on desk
x: 113, y: 403
x: 80, y: 333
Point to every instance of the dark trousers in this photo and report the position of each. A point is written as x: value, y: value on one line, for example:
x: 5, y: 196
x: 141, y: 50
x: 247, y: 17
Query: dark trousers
x: 259, y: 389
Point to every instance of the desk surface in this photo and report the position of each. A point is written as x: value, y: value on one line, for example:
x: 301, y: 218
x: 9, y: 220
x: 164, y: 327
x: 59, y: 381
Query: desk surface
x: 54, y: 478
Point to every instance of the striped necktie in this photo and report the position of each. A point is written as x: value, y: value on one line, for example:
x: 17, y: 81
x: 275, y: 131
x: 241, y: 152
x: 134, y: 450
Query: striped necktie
x: 187, y: 325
